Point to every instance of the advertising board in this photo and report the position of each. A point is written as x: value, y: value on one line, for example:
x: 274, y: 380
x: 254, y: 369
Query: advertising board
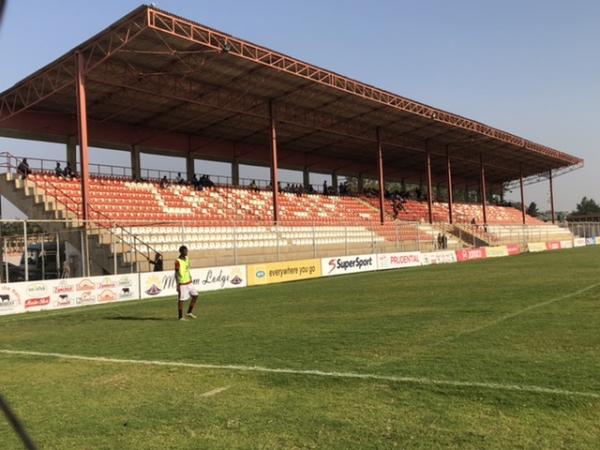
x: 496, y: 251
x: 280, y: 272
x: 567, y: 243
x: 534, y: 247
x: 348, y: 264
x: 513, y: 249
x: 398, y: 260
x: 439, y: 257
x: 469, y: 254
x: 160, y: 284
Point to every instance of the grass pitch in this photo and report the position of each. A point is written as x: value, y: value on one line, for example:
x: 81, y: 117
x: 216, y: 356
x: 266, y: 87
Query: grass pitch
x: 499, y: 325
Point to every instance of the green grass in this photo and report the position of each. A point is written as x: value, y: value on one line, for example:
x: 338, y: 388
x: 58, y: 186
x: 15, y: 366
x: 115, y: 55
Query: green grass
x: 439, y: 322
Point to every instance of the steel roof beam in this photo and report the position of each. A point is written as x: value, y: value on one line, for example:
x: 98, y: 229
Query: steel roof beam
x: 285, y: 113
x: 61, y: 73
x: 191, y: 31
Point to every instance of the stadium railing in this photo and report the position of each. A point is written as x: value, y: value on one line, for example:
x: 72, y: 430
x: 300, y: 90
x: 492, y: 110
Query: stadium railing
x: 103, y: 246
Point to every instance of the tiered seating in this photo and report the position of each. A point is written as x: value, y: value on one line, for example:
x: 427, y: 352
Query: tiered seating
x: 531, y: 233
x: 168, y: 239
x: 463, y: 212
x: 221, y: 217
x: 495, y: 214
x: 216, y: 218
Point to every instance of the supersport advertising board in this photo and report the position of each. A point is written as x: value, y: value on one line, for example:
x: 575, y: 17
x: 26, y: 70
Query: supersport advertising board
x: 341, y: 265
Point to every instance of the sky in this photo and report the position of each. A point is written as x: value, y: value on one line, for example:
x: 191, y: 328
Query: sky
x: 528, y: 67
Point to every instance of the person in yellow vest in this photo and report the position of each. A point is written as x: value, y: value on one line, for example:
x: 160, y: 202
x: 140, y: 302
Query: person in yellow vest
x: 185, y: 286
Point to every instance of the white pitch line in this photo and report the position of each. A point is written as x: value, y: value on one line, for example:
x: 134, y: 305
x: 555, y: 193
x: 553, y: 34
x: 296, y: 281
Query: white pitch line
x: 516, y: 313
x: 318, y: 373
x: 215, y: 391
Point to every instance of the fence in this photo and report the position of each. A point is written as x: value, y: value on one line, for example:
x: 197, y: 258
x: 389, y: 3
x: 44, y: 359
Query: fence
x: 46, y: 249
x: 583, y: 229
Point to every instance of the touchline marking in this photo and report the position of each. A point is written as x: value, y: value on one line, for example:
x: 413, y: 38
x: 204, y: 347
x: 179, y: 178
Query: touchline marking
x: 516, y: 313
x: 317, y: 373
x: 215, y: 391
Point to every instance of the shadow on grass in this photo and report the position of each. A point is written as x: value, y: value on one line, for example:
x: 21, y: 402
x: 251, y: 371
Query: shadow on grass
x: 135, y: 318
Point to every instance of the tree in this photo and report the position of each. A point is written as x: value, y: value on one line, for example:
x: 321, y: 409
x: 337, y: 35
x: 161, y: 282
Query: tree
x: 532, y: 210
x: 587, y: 206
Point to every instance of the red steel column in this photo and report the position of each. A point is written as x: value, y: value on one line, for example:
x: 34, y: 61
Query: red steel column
x: 381, y: 182
x: 83, y: 135
x: 483, y: 192
x: 274, y: 168
x: 551, y: 195
x: 522, y: 196
x: 429, y: 199
x: 449, y: 172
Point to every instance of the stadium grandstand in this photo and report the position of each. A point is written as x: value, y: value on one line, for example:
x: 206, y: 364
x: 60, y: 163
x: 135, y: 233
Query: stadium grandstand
x: 403, y: 173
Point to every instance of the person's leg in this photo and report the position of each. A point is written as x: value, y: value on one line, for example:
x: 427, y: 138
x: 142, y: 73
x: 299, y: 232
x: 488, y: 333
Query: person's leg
x: 182, y: 296
x: 193, y: 293
x: 192, y: 304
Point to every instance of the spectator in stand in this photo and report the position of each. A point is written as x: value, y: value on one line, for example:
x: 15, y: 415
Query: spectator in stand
x: 473, y: 221
x: 395, y: 208
x: 157, y: 263
x: 325, y: 188
x: 418, y: 194
x: 58, y: 171
x: 68, y: 171
x: 208, y: 181
x: 179, y: 179
x: 23, y: 168
x: 164, y: 182
x: 66, y: 268
x: 196, y: 183
x: 253, y: 185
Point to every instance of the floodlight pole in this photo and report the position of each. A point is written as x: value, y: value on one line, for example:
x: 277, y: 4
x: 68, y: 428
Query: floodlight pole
x: 274, y: 169
x: 429, y: 199
x: 522, y: 195
x: 551, y: 196
x: 381, y: 182
x: 449, y: 172
x: 83, y: 135
x: 483, y: 191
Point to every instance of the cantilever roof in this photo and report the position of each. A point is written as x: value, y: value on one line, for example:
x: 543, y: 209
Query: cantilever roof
x: 171, y: 85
